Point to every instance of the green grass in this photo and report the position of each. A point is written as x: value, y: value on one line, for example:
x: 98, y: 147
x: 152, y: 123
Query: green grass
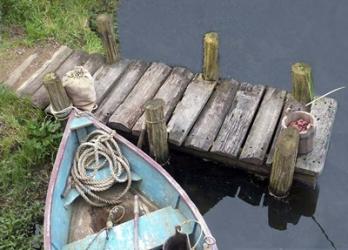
x: 28, y: 142
x: 28, y: 139
x: 69, y: 22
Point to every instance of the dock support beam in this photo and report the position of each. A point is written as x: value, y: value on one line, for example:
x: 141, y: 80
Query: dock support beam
x: 211, y: 56
x: 284, y: 162
x: 58, y: 97
x: 105, y: 29
x: 302, y: 82
x: 157, y: 130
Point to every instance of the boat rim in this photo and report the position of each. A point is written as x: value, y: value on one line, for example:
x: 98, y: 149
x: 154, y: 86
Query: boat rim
x: 131, y: 146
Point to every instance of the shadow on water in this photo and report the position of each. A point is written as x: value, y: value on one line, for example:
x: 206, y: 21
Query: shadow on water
x: 208, y: 185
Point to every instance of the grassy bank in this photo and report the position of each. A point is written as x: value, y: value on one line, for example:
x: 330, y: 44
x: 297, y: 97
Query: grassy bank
x: 70, y: 22
x: 28, y: 142
x: 28, y: 139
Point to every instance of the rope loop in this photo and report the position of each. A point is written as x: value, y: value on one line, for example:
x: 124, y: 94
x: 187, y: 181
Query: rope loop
x: 100, y: 150
x: 63, y: 114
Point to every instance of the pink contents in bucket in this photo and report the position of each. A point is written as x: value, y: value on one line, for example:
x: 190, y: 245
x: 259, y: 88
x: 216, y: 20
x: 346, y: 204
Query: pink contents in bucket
x: 301, y: 125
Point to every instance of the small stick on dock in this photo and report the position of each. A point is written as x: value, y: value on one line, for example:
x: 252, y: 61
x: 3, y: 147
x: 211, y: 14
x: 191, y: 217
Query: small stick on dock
x: 105, y: 29
x: 302, y: 82
x: 211, y: 57
x: 157, y: 130
x: 58, y: 97
x: 284, y: 162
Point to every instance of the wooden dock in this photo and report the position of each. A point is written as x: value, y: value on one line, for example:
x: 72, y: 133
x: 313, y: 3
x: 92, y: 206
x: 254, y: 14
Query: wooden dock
x: 231, y: 122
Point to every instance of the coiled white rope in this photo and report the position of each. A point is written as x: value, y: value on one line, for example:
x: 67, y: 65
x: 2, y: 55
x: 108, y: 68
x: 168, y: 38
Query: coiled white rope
x: 98, y: 151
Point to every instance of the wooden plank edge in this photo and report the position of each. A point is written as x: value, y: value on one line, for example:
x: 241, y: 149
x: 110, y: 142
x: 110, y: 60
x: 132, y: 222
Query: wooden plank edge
x: 256, y: 170
x: 327, y: 145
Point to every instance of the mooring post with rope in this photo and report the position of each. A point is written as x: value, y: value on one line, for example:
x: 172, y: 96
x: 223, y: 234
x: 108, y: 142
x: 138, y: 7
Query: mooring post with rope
x: 157, y: 130
x: 61, y: 105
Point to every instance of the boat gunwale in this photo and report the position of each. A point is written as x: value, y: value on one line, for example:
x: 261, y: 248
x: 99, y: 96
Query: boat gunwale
x: 131, y: 146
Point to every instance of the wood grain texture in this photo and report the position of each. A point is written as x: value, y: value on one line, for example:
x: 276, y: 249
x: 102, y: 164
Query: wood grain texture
x: 127, y: 114
x: 210, y: 120
x: 324, y: 112
x: 13, y: 78
x: 107, y: 76
x: 157, y: 130
x: 105, y: 29
x: 40, y: 98
x: 118, y: 94
x: 94, y: 62
x: 302, y: 82
x: 283, y: 167
x: 211, y: 56
x: 77, y: 58
x: 290, y: 105
x: 188, y: 109
x: 264, y: 126
x: 30, y: 86
x: 57, y: 94
x: 170, y: 92
x: 238, y: 120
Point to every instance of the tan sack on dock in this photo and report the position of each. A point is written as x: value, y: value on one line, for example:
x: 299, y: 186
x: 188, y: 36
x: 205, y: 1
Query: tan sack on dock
x: 79, y: 85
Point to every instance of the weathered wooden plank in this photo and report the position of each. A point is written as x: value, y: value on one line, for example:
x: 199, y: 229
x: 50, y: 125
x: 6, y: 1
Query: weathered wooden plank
x: 77, y: 58
x: 188, y: 109
x: 262, y: 130
x: 131, y: 109
x: 40, y: 98
x: 107, y: 76
x: 170, y: 92
x: 290, y: 104
x: 238, y: 120
x: 94, y: 62
x: 210, y: 120
x: 17, y: 73
x: 324, y: 111
x: 31, y: 85
x: 125, y: 84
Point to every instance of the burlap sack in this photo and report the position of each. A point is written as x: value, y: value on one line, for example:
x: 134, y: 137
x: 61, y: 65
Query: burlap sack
x: 79, y: 86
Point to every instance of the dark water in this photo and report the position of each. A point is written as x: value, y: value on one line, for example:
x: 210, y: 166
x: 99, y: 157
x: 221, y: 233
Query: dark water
x: 259, y: 40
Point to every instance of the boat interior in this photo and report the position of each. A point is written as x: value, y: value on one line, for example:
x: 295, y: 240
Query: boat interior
x: 75, y: 224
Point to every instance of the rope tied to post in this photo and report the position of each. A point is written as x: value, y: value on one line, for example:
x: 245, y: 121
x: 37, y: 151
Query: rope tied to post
x: 100, y: 150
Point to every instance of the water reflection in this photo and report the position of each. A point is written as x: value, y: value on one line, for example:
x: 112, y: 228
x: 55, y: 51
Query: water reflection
x: 207, y: 185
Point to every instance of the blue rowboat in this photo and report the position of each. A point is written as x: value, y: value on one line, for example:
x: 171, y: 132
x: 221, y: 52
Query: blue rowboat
x: 158, y: 214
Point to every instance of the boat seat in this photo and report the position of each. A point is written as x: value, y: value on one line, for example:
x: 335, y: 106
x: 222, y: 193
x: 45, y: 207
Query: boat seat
x: 153, y: 230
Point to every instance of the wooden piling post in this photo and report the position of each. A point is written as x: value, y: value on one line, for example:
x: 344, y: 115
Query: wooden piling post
x: 211, y: 56
x: 58, y: 97
x: 105, y: 29
x: 284, y: 162
x: 157, y: 130
x: 302, y: 82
